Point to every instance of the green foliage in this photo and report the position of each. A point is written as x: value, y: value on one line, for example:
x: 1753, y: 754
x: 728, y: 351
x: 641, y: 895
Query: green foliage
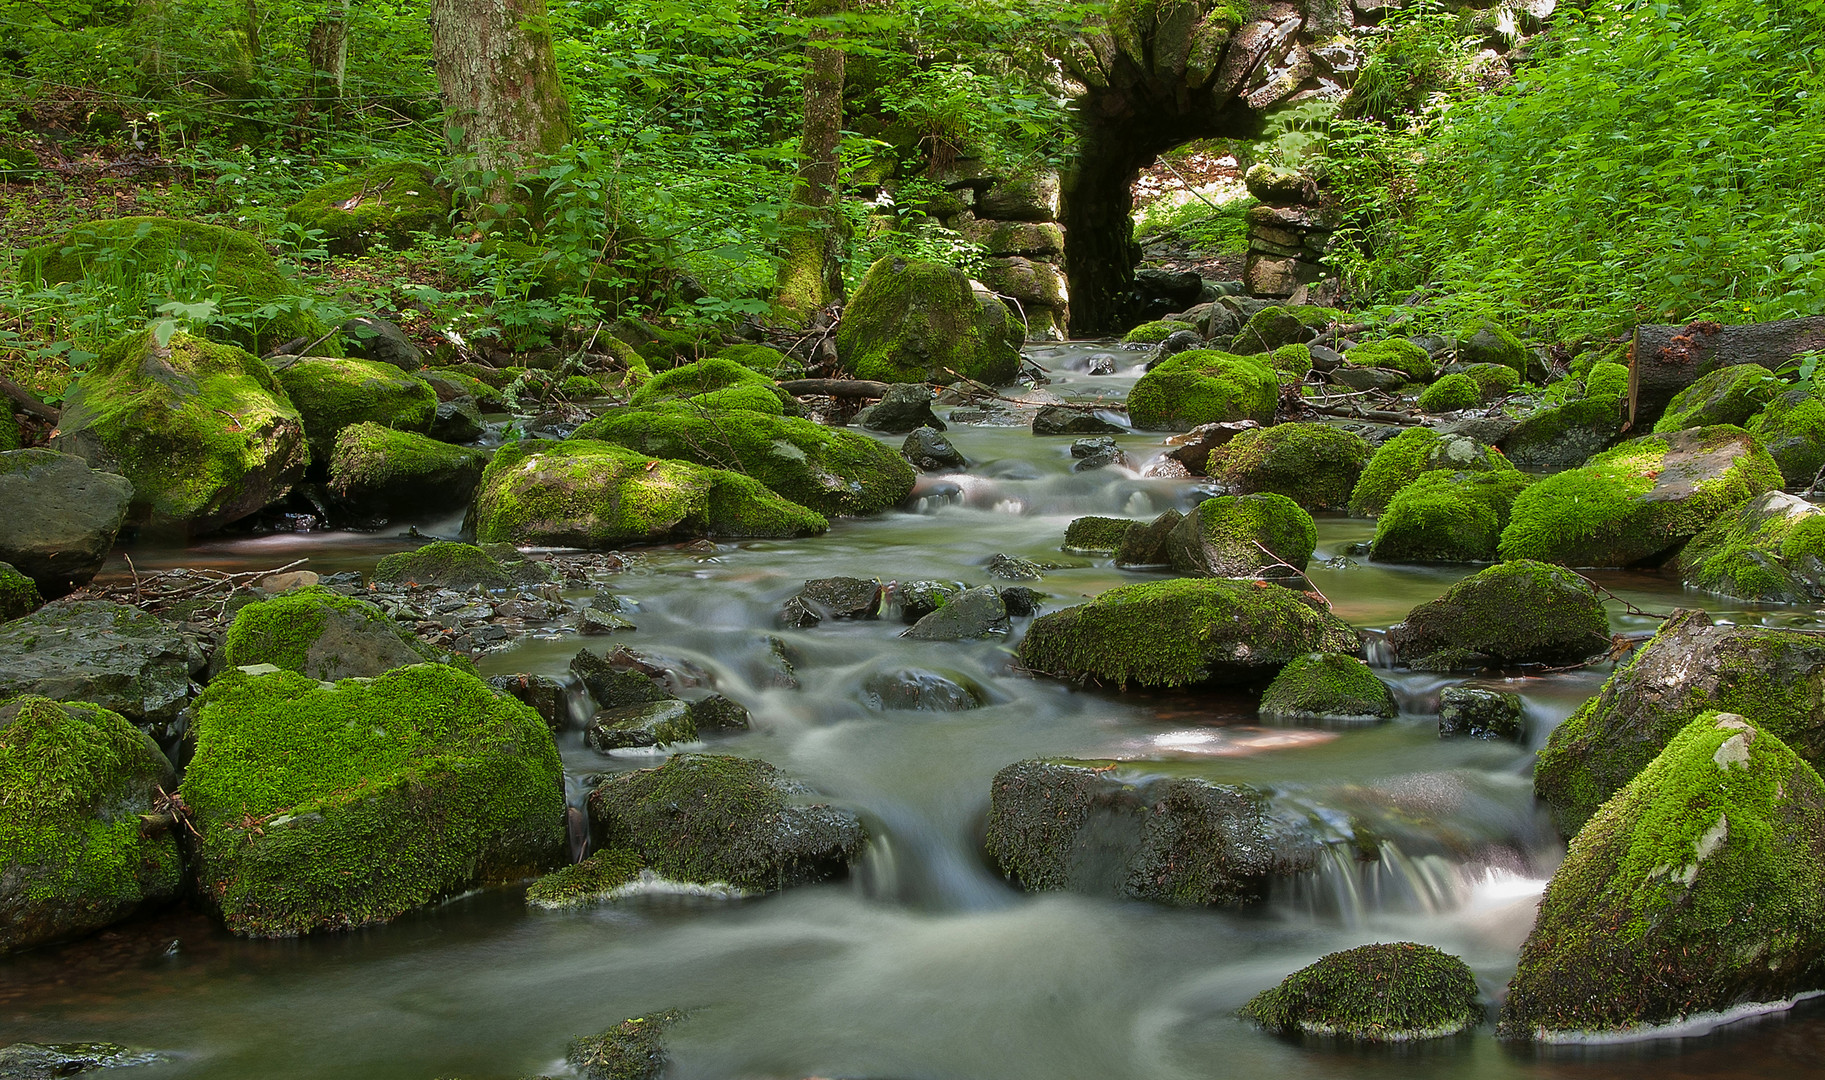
x: 1196, y: 225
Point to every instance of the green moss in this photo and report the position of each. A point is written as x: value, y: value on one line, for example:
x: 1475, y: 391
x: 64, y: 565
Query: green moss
x: 917, y: 321
x: 597, y: 495
x: 74, y: 779
x: 1397, y: 462
x: 9, y: 428
x: 1097, y: 534
x: 1315, y: 465
x: 1512, y: 613
x: 631, y: 1050
x: 831, y: 470
x: 1792, y: 428
x: 118, y: 254
x: 1294, y: 360
x: 333, y: 393
x: 1331, y: 686
x: 1187, y: 630
x: 593, y: 880
x: 1445, y: 516
x: 1771, y: 549
x: 18, y: 594
x: 1152, y: 333
x: 204, y: 431
x: 1729, y: 395
x: 1203, y: 386
x: 1481, y: 341
x: 1627, y: 506
x: 332, y: 808
x: 1373, y: 993
x: 700, y: 383
x: 1281, y: 324
x: 1395, y: 354
x: 580, y: 386
x: 764, y: 359
x: 661, y: 347
x: 1700, y: 886
x: 1224, y: 537
x: 1607, y: 381
x: 1450, y: 394
x: 444, y: 563
x: 484, y: 394
x: 1495, y: 380
x: 374, y: 469
x: 287, y: 632
x: 390, y: 203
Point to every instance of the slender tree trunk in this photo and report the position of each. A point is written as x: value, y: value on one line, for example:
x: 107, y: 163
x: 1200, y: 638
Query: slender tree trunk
x: 812, y: 274
x: 327, y: 47
x: 500, y: 83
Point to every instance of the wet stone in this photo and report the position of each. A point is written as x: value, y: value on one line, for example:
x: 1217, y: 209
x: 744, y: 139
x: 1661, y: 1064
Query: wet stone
x: 1058, y: 420
x: 1146, y: 545
x: 596, y: 621
x: 975, y: 613
x: 546, y: 696
x: 613, y: 687
x: 656, y: 724
x: 1467, y: 712
x: 1101, y: 364
x: 832, y: 598
x: 1020, y: 600
x: 1096, y: 454
x: 917, y: 690
x: 931, y: 452
x: 920, y: 598
x: 1015, y: 568
x: 718, y: 713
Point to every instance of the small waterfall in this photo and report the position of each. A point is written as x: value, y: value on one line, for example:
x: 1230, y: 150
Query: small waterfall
x: 1377, y: 651
x: 1352, y: 890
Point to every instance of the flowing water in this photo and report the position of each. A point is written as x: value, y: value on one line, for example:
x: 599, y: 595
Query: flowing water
x: 924, y: 963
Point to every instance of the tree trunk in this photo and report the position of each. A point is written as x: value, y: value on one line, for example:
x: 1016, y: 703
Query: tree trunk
x: 327, y: 47
x: 812, y: 274
x: 1666, y: 359
x: 505, y: 108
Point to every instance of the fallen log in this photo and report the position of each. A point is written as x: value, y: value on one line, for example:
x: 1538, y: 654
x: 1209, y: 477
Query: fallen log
x: 861, y: 388
x: 26, y: 401
x: 1380, y: 416
x: 1663, y: 360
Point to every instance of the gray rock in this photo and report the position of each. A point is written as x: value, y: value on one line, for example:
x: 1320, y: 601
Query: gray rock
x: 1096, y: 453
x: 1467, y: 712
x: 1146, y: 545
x: 920, y: 598
x: 1057, y: 420
x: 1192, y: 448
x: 1014, y: 568
x: 905, y: 407
x: 975, y: 613
x: 596, y: 621
x: 1325, y: 358
x: 918, y: 690
x: 718, y: 713
x: 931, y: 452
x: 546, y: 696
x: 1367, y: 378
x: 658, y: 723
x: 612, y: 687
x: 1020, y: 600
x: 60, y: 517
x: 377, y: 339
x: 458, y: 421
x: 832, y: 598
x: 1100, y: 364
x: 111, y: 655
x: 1177, y: 342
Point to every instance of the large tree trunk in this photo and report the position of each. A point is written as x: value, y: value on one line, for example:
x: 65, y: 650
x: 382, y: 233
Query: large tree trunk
x: 811, y: 275
x: 500, y: 84
x: 327, y: 47
x: 1666, y: 359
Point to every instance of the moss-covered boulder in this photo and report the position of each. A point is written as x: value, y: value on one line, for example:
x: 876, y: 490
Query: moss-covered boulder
x: 227, y: 263
x: 604, y: 875
x: 1315, y: 465
x: 1445, y: 516
x: 321, y: 633
x: 1567, y: 433
x: 204, y: 432
x: 1183, y: 631
x: 917, y: 321
x: 446, y: 565
x: 1776, y: 678
x: 764, y: 359
x: 331, y: 393
x: 1225, y: 537
x: 1097, y: 535
x: 61, y: 517
x: 1729, y: 395
x: 1771, y: 549
x: 710, y: 819
x: 830, y: 470
x: 1333, y: 687
x: 1480, y: 341
x: 1084, y: 827
x: 1393, y: 354
x: 378, y: 474
x: 1496, y: 380
x: 1637, y: 502
x: 327, y: 808
x: 598, y: 495
x: 1450, y: 394
x: 1700, y: 886
x: 18, y: 594
x: 631, y: 1050
x: 1152, y: 333
x: 1281, y: 324
x: 1792, y: 429
x: 385, y: 204
x: 1393, y: 992
x: 640, y: 727
x: 716, y: 383
x: 1399, y: 461
x: 1520, y: 612
x: 74, y: 854
x: 1294, y: 360
x: 112, y: 655
x: 1204, y: 386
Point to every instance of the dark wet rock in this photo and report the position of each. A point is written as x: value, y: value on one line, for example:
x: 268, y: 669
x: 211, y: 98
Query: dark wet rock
x: 658, y: 723
x: 613, y: 686
x: 1146, y: 543
x: 973, y: 613
x: 1226, y: 537
x: 1183, y: 631
x: 1192, y: 448
x: 1058, y: 420
x: 371, y: 338
x: 1020, y: 600
x: 1770, y: 549
x: 1383, y: 993
x: 1775, y: 678
x: 920, y: 598
x: 1521, y: 612
x: 1101, y: 364
x: 112, y: 655
x: 631, y: 1050
x: 60, y: 517
x: 1331, y: 687
x: 18, y: 594
x: 718, y: 713
x: 595, y: 622
x: 931, y: 452
x: 74, y: 780
x: 832, y: 598
x: 546, y: 696
x: 1082, y: 827
x: 321, y: 633
x: 1097, y: 535
x: 905, y: 407
x: 1466, y: 712
x: 1015, y: 568
x: 1698, y: 887
x: 1096, y: 453
x: 1367, y: 378
x: 458, y: 421
x: 48, y: 1061
x: 916, y: 689
x: 709, y: 819
x: 779, y: 666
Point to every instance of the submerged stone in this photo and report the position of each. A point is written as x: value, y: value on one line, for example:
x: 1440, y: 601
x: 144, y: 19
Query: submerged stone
x: 631, y: 1050
x: 919, y: 690
x: 1468, y: 712
x: 1393, y: 992
x: 832, y: 598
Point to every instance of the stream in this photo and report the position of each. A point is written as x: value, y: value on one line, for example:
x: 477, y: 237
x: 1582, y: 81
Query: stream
x: 924, y: 964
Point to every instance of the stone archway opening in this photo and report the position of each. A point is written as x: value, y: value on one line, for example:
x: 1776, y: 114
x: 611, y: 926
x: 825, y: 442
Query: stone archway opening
x: 1191, y: 216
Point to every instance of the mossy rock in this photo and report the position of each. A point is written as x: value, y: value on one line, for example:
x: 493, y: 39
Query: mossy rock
x: 664, y: 347
x: 1402, y: 459
x: 1792, y: 429
x: 1393, y: 992
x: 1771, y: 550
x: 631, y: 1050
x: 1282, y: 324
x: 604, y: 875
x: 9, y: 429
x: 1294, y: 360
x: 1520, y: 612
x: 1444, y: 516
x: 1451, y: 394
x: 1566, y: 434
x: 581, y: 386
x: 917, y: 321
x: 654, y: 724
x: 1315, y: 465
x: 1607, y: 381
x: 446, y: 565
x: 1496, y: 380
x: 716, y: 383
x: 112, y: 655
x: 376, y: 473
x: 830, y: 470
x: 117, y: 253
x: 1224, y: 537
x: 74, y: 855
x: 1481, y: 341
x: 387, y: 204
x: 321, y: 633
x: 1393, y: 354
x: 711, y: 819
x: 1327, y: 687
x: 204, y: 431
x: 1774, y: 677
x: 452, y: 383
x: 764, y: 359
x: 18, y: 594
x: 331, y: 393
x: 1729, y: 395
x: 1204, y: 386
x: 1183, y: 631
x: 1638, y: 501
x: 329, y: 808
x: 1097, y: 535
x: 598, y: 495
x: 1152, y: 333
x: 1698, y: 887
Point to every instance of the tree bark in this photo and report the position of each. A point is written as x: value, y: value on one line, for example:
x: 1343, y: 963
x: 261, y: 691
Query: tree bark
x: 1666, y: 359
x: 505, y: 108
x: 811, y: 275
x: 327, y: 47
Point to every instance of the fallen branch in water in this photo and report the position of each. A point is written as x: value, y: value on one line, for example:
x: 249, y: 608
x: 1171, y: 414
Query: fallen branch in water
x: 1279, y: 562
x: 1381, y: 416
